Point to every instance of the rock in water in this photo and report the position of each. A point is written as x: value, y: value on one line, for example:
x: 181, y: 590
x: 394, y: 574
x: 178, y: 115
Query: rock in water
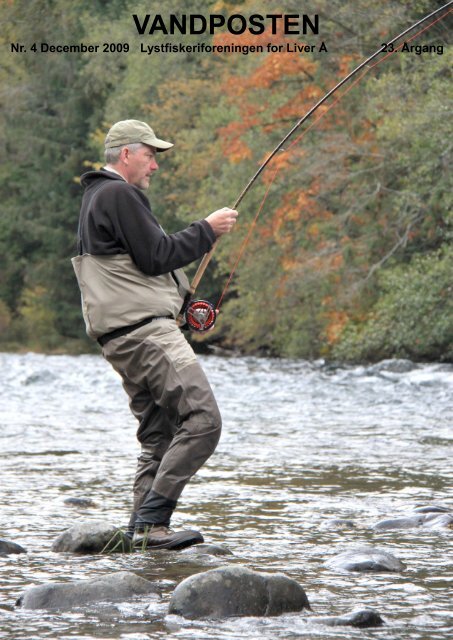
x: 431, y: 508
x: 7, y: 547
x: 441, y: 521
x: 409, y: 522
x: 112, y: 587
x: 362, y: 618
x: 337, y: 523
x: 92, y: 537
x: 80, y: 502
x: 365, y: 559
x: 236, y: 591
x: 393, y: 366
x: 207, y: 549
x: 432, y: 519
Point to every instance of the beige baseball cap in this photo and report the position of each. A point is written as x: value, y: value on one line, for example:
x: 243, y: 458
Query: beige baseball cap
x: 131, y: 131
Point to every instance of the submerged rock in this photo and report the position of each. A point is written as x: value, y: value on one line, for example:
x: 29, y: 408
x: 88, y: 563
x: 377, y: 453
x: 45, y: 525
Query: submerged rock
x: 365, y: 559
x: 338, y: 523
x: 434, y: 519
x: 236, y: 591
x: 441, y: 521
x: 7, y: 547
x: 41, y: 377
x: 361, y: 618
x: 112, y: 587
x: 92, y: 537
x: 433, y: 508
x: 80, y: 502
x: 393, y: 366
x: 207, y: 549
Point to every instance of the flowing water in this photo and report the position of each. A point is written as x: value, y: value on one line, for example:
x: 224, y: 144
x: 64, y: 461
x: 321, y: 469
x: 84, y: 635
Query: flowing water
x: 303, y: 443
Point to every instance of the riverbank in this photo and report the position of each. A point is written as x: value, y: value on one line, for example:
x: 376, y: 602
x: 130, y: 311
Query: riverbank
x: 202, y: 346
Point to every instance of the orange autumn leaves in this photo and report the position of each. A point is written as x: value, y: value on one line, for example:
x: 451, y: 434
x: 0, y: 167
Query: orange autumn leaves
x: 274, y: 93
x: 249, y: 94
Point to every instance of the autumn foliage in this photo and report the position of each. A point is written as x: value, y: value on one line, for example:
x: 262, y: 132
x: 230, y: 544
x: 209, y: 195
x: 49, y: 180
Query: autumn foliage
x: 357, y: 195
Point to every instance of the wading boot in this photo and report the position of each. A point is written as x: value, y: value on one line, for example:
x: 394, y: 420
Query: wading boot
x: 159, y: 536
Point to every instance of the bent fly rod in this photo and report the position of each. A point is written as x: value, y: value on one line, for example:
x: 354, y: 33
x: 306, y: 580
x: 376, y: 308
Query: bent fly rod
x: 200, y: 315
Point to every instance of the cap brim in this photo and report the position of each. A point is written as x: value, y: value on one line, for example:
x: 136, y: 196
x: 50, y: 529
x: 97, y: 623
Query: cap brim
x: 157, y: 143
x: 162, y: 145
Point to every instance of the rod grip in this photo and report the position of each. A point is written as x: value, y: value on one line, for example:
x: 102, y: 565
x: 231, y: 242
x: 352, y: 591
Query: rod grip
x: 202, y: 268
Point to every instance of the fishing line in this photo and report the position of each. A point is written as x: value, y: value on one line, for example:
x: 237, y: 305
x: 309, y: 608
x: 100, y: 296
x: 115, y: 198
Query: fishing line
x: 201, y: 315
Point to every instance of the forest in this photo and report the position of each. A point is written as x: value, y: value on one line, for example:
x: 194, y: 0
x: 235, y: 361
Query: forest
x: 351, y: 256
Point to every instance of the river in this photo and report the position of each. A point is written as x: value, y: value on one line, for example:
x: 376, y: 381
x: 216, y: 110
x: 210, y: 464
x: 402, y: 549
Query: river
x: 303, y: 443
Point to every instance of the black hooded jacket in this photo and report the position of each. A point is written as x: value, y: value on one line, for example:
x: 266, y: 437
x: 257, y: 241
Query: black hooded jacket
x: 116, y: 218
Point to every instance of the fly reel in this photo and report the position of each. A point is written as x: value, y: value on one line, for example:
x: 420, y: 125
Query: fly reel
x: 200, y: 315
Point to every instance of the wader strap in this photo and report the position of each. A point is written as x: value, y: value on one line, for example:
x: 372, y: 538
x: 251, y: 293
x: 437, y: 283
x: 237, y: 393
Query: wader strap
x: 122, y: 331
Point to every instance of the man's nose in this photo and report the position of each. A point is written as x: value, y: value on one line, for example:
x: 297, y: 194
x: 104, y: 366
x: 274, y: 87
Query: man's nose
x: 153, y: 165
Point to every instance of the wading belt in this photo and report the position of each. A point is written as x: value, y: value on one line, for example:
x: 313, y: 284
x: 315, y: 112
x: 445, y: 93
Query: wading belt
x: 123, y: 331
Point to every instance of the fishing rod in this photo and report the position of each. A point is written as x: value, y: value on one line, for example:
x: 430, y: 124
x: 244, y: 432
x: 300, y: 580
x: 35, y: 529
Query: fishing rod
x: 200, y: 315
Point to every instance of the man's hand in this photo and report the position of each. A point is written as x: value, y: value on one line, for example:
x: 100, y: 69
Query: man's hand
x: 222, y: 220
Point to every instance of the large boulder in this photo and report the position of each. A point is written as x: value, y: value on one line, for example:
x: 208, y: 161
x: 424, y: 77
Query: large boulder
x: 361, y: 618
x: 94, y: 536
x: 7, y: 547
x: 365, y: 558
x: 236, y: 591
x: 112, y: 587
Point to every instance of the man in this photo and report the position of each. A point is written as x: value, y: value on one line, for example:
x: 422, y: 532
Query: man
x: 132, y: 286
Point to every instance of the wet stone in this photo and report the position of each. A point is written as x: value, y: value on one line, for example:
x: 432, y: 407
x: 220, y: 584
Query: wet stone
x: 409, y: 522
x: 361, y: 618
x: 430, y: 519
x: 393, y: 366
x: 434, y: 508
x: 207, y: 549
x: 114, y: 587
x: 236, y: 591
x: 365, y: 559
x: 441, y: 521
x: 7, y: 548
x: 92, y: 537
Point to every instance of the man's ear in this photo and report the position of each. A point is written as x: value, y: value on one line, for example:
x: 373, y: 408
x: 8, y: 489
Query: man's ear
x: 124, y: 155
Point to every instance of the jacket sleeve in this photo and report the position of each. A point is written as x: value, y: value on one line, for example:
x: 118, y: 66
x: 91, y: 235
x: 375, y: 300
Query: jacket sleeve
x: 137, y: 230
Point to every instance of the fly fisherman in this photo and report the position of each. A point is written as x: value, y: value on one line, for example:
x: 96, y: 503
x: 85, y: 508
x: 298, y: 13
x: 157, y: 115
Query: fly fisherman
x: 132, y: 286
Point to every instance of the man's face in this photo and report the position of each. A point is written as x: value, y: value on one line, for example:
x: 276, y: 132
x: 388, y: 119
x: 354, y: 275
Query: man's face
x: 141, y: 164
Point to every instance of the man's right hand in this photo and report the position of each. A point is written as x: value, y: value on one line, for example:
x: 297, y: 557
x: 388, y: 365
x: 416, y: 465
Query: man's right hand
x: 222, y: 220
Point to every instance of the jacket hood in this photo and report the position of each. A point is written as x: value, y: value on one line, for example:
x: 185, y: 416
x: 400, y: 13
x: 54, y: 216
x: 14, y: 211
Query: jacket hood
x: 89, y: 178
